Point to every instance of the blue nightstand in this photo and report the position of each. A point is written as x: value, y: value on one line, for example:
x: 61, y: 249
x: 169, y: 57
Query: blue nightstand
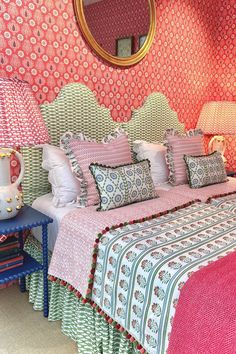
x: 26, y: 219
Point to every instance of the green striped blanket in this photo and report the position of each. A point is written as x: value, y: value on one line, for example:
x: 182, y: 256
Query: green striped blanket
x: 142, y: 267
x: 227, y: 202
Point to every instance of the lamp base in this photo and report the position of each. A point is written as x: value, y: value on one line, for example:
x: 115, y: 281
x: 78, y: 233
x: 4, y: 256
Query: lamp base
x: 218, y: 143
x: 11, y: 199
x: 10, y: 202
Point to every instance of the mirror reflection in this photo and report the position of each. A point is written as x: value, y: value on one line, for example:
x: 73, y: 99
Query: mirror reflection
x: 120, y: 27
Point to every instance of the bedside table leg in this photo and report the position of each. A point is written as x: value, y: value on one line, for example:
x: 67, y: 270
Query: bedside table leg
x: 22, y: 280
x: 22, y: 285
x: 45, y: 269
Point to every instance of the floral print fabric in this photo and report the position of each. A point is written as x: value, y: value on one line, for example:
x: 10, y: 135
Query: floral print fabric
x: 225, y: 202
x: 123, y: 185
x: 205, y: 170
x: 142, y: 267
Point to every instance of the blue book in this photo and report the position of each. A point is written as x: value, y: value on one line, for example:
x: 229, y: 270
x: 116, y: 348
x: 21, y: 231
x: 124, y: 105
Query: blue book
x: 15, y: 262
x: 10, y: 240
x: 9, y: 256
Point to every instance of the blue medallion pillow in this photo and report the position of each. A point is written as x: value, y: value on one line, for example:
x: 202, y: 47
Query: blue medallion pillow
x: 122, y: 185
x: 205, y: 170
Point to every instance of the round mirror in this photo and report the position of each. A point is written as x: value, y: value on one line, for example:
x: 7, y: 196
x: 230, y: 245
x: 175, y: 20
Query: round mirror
x: 120, y: 31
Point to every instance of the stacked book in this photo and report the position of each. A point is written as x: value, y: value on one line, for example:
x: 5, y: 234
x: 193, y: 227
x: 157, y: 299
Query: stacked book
x: 10, y: 254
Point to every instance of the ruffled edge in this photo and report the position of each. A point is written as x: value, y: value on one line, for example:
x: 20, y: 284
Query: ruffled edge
x: 169, y: 153
x: 114, y: 135
x: 82, y: 198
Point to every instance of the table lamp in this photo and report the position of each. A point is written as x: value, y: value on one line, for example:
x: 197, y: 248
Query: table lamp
x: 21, y: 124
x: 218, y: 117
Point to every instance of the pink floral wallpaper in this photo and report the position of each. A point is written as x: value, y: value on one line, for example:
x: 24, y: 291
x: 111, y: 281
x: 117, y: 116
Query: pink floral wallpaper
x: 223, y: 83
x: 129, y: 18
x: 192, y: 59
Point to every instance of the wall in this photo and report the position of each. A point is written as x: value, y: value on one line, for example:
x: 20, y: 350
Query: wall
x: 223, y: 83
x: 129, y: 18
x: 191, y: 60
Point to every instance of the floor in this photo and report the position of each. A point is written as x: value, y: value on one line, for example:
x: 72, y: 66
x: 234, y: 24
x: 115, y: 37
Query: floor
x: 25, y: 331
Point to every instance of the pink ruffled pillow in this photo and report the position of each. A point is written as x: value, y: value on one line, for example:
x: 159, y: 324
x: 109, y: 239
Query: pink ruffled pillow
x: 81, y: 151
x: 179, y: 145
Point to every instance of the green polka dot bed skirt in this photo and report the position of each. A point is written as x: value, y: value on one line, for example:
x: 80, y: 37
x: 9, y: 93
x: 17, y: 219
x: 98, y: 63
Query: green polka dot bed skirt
x: 81, y: 322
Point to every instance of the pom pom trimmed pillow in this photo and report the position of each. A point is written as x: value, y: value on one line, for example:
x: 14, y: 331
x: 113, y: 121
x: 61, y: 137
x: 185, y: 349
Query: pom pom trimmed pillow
x: 205, y: 170
x: 123, y: 185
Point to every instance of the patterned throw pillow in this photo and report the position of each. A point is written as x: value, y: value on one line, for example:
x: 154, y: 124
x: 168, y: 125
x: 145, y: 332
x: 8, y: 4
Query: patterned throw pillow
x: 123, y: 185
x: 177, y: 146
x: 114, y: 150
x: 205, y: 170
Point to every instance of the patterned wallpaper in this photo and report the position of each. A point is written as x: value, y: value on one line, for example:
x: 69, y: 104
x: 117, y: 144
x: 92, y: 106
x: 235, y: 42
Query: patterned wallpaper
x: 192, y: 59
x: 223, y: 84
x: 129, y: 18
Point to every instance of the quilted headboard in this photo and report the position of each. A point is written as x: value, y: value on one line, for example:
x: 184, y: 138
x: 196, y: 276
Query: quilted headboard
x: 76, y: 109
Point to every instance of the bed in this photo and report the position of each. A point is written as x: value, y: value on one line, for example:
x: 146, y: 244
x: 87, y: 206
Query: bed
x: 94, y: 312
x: 45, y: 205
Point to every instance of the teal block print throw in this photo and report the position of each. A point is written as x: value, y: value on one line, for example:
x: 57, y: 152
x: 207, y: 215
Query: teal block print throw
x: 142, y: 267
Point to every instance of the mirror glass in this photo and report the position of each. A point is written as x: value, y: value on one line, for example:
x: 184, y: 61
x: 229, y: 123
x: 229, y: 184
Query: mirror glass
x: 119, y: 27
x: 121, y: 31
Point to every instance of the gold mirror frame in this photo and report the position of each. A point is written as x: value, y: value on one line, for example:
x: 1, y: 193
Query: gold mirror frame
x: 131, y: 60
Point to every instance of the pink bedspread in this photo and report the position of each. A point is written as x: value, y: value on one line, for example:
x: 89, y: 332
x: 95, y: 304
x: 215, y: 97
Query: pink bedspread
x: 72, y: 255
x: 205, y: 192
x: 205, y: 318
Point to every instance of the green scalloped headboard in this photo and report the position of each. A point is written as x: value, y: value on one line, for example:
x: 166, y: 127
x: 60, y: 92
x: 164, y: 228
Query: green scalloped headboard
x: 150, y: 121
x: 76, y: 109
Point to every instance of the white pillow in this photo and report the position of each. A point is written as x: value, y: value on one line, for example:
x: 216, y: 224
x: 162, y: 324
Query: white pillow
x: 65, y: 187
x: 155, y: 153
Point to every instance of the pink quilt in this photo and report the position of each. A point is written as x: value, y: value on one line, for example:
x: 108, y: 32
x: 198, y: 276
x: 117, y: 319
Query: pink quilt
x: 72, y: 255
x: 204, y: 322
x: 205, y: 192
x: 205, y: 318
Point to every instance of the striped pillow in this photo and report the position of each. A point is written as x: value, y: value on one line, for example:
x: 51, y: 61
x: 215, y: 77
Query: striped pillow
x: 113, y: 151
x: 177, y: 146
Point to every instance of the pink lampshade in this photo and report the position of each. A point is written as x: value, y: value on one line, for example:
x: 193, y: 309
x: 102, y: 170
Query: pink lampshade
x: 21, y: 122
x: 218, y: 118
